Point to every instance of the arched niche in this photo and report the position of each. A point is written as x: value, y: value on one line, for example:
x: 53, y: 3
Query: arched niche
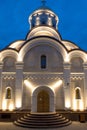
x: 45, y: 41
x: 76, y: 64
x: 43, y: 57
x: 9, y: 64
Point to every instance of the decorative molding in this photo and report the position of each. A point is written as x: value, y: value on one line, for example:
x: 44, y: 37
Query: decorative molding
x: 77, y: 76
x: 67, y: 65
x: 8, y: 75
x: 19, y: 65
x: 43, y: 75
x: 1, y: 65
x: 85, y: 66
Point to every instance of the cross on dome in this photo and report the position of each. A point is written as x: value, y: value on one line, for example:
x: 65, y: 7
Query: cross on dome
x: 43, y: 2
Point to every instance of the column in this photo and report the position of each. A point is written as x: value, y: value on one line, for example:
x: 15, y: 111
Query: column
x: 85, y: 85
x: 1, y: 66
x: 67, y: 94
x: 19, y: 85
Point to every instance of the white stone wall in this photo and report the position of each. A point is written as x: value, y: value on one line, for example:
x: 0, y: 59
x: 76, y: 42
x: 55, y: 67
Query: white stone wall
x: 9, y: 64
x: 43, y: 80
x: 59, y: 98
x: 76, y: 64
x: 26, y: 99
x: 8, y: 82
x: 32, y: 59
x: 77, y: 82
x: 14, y: 73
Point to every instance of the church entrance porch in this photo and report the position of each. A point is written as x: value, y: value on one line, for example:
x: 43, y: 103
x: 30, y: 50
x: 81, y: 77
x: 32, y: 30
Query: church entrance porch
x: 43, y: 100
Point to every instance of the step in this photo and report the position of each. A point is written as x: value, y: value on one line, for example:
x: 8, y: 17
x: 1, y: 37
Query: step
x: 41, y: 117
x: 42, y: 121
x: 34, y: 126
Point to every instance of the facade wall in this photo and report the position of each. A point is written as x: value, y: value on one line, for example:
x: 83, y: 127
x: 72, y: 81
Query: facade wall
x: 27, y: 97
x: 32, y: 60
x: 77, y: 103
x: 76, y: 65
x: 59, y: 98
x: 14, y: 75
x: 8, y: 82
x: 50, y: 81
x: 9, y: 64
x: 59, y: 76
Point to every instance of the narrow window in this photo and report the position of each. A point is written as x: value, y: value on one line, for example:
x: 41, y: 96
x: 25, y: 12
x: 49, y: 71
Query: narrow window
x: 77, y: 93
x: 8, y: 93
x: 43, y: 62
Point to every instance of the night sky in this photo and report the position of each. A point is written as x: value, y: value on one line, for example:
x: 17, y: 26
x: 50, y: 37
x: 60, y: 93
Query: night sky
x: 72, y: 20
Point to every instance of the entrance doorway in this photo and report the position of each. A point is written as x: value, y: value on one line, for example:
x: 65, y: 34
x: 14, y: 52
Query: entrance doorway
x: 43, y: 101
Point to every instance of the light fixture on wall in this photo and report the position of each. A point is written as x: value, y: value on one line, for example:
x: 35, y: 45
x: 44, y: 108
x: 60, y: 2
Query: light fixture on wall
x: 67, y: 104
x: 4, y: 105
x: 57, y: 84
x: 18, y: 103
x: 11, y: 107
x: 29, y: 84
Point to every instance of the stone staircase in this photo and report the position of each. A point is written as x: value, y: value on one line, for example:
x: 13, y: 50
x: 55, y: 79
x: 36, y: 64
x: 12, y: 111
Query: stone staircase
x: 42, y: 120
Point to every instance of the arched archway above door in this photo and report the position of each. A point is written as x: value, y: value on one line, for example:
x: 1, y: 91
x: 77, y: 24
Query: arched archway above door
x: 41, y: 93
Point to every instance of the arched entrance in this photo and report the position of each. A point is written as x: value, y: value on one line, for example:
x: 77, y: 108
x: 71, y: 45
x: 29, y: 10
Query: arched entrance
x: 43, y: 101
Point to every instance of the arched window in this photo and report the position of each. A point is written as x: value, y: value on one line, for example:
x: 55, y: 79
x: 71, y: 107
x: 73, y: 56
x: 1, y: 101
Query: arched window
x: 43, y: 62
x: 77, y: 93
x: 8, y: 93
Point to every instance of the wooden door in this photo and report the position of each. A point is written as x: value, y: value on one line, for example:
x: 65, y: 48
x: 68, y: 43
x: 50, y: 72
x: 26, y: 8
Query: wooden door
x: 43, y: 101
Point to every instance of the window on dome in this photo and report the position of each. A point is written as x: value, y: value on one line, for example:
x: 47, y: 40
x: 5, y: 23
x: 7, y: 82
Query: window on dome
x: 43, y: 62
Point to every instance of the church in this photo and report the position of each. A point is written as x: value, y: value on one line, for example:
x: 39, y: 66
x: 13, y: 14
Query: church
x: 43, y: 73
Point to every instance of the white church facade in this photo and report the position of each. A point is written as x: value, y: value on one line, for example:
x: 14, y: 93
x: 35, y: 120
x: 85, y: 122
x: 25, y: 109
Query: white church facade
x: 43, y: 73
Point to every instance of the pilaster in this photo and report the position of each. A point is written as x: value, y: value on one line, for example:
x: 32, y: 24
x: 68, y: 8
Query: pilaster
x: 19, y: 84
x: 85, y: 85
x: 1, y: 66
x: 67, y: 85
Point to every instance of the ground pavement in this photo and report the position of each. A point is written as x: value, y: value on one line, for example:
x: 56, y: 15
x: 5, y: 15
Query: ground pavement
x: 73, y: 126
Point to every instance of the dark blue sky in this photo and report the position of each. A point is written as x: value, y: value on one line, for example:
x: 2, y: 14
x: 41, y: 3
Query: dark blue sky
x: 72, y: 19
